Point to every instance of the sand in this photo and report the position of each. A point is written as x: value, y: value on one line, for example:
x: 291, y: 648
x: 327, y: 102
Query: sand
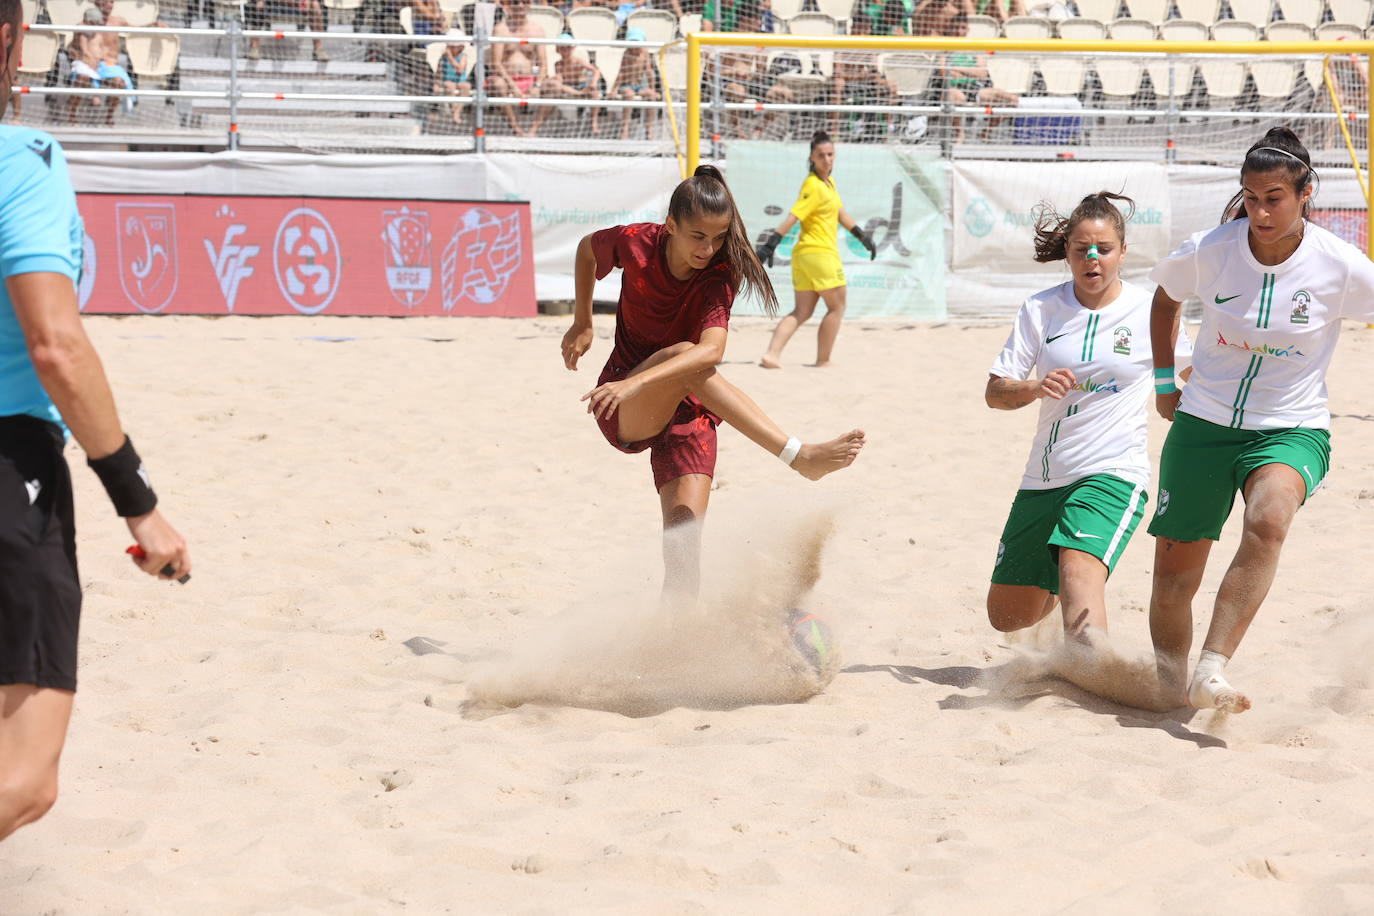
x: 400, y: 525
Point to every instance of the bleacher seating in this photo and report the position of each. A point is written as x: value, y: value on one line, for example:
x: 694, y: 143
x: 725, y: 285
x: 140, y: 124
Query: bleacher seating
x: 591, y: 23
x: 658, y: 25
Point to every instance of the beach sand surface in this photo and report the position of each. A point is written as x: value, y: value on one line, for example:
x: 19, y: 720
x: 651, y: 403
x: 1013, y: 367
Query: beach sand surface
x: 400, y: 527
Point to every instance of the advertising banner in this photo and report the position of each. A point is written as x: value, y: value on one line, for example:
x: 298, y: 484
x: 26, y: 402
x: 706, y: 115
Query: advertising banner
x: 995, y: 205
x: 571, y: 196
x: 894, y: 195
x: 221, y: 255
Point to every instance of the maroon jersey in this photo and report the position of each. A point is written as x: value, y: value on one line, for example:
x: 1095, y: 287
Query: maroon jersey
x: 656, y: 309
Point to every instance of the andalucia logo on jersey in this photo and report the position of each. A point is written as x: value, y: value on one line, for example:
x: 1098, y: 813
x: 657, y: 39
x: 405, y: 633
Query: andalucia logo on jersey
x: 1121, y: 341
x: 1302, y: 299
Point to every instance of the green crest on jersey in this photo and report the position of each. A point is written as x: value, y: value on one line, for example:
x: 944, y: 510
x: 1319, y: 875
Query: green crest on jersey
x: 1302, y: 300
x: 1121, y: 341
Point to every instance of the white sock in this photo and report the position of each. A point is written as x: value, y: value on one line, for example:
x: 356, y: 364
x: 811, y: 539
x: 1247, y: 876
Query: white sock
x: 1209, y: 688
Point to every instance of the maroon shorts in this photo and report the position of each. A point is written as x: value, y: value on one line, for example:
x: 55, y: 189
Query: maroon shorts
x: 687, y: 444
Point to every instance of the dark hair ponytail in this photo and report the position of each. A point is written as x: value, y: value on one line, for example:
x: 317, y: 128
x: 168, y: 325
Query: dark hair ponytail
x: 1052, y: 230
x: 1278, y: 150
x: 817, y: 139
x: 705, y: 194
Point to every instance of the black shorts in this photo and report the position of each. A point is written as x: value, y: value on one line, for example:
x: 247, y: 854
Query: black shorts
x: 40, y: 592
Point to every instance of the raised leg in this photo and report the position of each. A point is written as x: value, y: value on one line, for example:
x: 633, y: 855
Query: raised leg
x: 1015, y: 607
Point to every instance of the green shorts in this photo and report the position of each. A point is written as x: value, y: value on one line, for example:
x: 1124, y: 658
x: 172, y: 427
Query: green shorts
x: 1203, y: 465
x: 1096, y: 515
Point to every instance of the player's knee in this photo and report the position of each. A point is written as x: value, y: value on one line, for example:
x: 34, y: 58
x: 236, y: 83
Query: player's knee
x: 1268, y: 526
x: 1005, y: 618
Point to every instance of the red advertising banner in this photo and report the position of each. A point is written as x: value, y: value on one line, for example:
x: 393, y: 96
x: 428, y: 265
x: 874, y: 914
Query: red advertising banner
x: 217, y: 255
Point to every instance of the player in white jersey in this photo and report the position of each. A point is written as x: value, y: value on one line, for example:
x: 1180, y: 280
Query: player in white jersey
x: 51, y: 381
x: 1083, y: 349
x: 1253, y: 415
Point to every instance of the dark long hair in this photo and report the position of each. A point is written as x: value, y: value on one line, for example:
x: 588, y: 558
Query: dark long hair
x: 705, y: 194
x: 817, y: 139
x: 1052, y: 230
x: 1278, y: 150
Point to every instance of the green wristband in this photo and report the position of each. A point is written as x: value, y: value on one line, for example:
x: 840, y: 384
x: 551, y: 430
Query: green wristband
x: 1165, y: 387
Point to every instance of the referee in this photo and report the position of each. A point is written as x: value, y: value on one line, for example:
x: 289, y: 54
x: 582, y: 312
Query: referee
x: 51, y: 383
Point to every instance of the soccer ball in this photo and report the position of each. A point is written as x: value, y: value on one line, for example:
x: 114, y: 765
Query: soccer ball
x: 811, y: 637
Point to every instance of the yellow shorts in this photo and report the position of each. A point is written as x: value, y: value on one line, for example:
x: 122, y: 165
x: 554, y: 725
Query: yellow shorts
x: 817, y: 269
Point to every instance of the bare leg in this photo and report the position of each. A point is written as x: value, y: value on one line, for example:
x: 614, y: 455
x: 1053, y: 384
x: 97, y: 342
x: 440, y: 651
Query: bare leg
x: 33, y: 728
x: 1015, y: 607
x: 684, y: 509
x: 835, y: 299
x: 1083, y: 589
x: 646, y: 415
x: 1179, y: 566
x: 1273, y: 495
x: 804, y: 305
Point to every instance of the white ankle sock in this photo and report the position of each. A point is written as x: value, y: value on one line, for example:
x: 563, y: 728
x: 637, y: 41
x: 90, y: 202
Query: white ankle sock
x: 1208, y: 664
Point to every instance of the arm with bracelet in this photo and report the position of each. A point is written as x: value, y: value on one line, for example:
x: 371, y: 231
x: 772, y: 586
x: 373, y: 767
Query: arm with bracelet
x: 70, y: 370
x: 1164, y: 316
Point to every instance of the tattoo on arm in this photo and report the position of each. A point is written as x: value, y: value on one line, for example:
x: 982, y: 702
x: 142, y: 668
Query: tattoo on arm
x: 1009, y: 394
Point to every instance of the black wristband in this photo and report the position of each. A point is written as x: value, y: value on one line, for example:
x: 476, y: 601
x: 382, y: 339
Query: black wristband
x: 125, y: 481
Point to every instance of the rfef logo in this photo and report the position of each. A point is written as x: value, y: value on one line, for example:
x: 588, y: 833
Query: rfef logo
x: 85, y: 283
x: 307, y: 261
x: 407, y: 238
x: 480, y: 259
x: 146, y: 246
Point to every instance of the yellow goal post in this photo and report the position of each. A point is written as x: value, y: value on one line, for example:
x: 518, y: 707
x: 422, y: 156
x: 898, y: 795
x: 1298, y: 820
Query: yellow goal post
x: 696, y: 41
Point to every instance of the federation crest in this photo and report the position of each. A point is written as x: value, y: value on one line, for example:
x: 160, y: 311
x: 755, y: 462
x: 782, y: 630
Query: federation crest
x: 307, y: 261
x: 85, y: 284
x: 407, y: 237
x: 1001, y: 552
x: 480, y: 259
x: 1163, y: 503
x: 1302, y: 303
x: 146, y: 243
x: 1121, y: 341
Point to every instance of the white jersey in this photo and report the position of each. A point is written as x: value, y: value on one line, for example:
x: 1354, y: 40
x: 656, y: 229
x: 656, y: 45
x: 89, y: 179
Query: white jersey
x: 1100, y: 426
x: 1268, y: 331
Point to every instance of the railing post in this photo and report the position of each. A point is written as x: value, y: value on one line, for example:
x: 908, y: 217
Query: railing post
x: 235, y: 37
x: 693, y: 103
x: 1171, y: 119
x: 716, y: 99
x: 479, y: 91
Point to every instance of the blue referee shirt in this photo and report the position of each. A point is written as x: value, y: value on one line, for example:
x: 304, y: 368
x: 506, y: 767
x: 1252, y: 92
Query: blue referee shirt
x: 40, y: 231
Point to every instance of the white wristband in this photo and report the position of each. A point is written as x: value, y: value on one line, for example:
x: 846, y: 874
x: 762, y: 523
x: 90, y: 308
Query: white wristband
x: 790, y: 451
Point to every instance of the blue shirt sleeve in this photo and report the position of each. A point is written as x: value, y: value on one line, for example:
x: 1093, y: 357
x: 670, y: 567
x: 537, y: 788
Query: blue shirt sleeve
x: 40, y: 230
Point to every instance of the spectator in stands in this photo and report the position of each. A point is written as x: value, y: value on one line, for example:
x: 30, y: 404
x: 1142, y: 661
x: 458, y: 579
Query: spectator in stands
x: 932, y: 17
x: 720, y: 16
x: 573, y: 77
x: 107, y: 45
x: 516, y: 67
x: 426, y: 18
x: 453, y: 76
x: 890, y: 17
x: 966, y: 80
x: 746, y: 75
x: 857, y: 81
x: 637, y: 81
x: 84, y: 53
x: 258, y: 16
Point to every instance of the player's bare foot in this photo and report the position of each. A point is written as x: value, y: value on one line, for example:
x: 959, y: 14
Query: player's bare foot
x: 825, y: 365
x: 769, y: 362
x: 1214, y: 692
x: 815, y: 461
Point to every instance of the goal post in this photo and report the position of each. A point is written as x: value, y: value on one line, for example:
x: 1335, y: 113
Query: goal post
x: 697, y: 42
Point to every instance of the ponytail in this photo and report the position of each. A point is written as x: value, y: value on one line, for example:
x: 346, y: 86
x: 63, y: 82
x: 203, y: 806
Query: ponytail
x: 1052, y: 231
x: 705, y: 193
x: 1278, y: 150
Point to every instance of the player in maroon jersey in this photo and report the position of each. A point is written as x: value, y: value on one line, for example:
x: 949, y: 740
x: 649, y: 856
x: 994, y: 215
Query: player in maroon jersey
x: 660, y: 389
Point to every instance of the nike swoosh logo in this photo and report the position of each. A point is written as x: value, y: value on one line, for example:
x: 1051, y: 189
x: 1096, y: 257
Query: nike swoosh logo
x: 1079, y: 534
x: 34, y: 487
x: 1057, y: 336
x: 1220, y: 300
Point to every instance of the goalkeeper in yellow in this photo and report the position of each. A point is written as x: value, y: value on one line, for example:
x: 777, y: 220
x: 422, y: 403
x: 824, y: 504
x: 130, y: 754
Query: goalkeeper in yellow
x: 816, y: 270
